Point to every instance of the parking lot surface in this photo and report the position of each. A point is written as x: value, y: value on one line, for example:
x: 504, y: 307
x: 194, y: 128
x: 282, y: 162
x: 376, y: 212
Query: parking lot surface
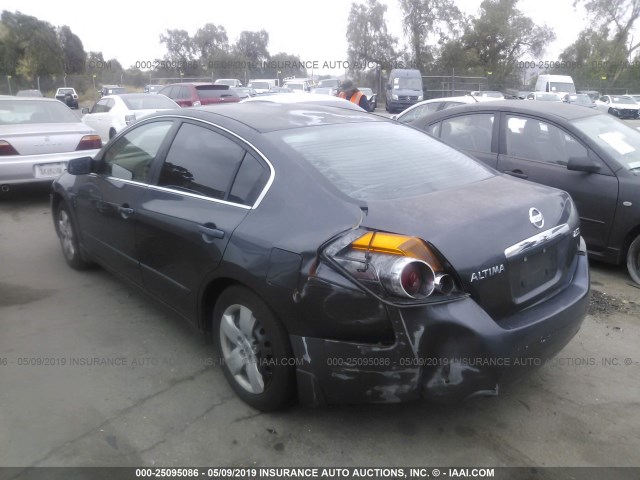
x: 94, y: 373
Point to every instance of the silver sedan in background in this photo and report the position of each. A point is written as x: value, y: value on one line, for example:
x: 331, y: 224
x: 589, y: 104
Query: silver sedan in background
x: 37, y: 138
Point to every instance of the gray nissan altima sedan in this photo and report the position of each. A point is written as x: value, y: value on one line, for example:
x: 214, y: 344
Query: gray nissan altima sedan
x: 332, y: 255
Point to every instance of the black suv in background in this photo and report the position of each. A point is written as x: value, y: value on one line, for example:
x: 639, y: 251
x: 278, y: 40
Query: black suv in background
x: 68, y: 96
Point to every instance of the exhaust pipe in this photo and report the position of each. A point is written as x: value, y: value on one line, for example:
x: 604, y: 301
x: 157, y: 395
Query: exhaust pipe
x: 444, y: 283
x: 5, y: 188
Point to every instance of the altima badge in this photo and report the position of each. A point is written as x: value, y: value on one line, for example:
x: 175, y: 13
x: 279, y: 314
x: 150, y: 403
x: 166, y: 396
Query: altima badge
x: 536, y: 218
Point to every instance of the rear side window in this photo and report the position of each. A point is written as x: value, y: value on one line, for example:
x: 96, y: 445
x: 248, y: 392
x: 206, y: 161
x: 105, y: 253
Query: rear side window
x: 382, y: 160
x: 249, y: 182
x: 201, y: 161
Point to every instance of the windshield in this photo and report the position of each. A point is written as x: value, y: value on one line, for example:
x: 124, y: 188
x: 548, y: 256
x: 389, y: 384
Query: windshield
x: 295, y: 86
x: 623, y: 100
x: 407, y: 83
x: 621, y: 142
x: 562, y: 87
x: 146, y: 102
x: 261, y: 85
x: 21, y: 112
x: 382, y: 161
x: 330, y: 83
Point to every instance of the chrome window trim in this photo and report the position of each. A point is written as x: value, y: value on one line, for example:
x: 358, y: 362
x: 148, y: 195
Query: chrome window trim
x: 256, y: 204
x: 536, y: 240
x: 171, y: 190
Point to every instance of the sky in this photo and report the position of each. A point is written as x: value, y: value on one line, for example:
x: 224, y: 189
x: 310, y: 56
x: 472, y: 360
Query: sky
x: 316, y: 31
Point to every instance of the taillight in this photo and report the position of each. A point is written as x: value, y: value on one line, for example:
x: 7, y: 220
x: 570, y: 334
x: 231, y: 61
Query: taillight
x: 7, y: 149
x: 89, y: 142
x: 397, y: 268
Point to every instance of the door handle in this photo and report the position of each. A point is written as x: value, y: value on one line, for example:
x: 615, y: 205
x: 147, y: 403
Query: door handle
x: 210, y: 232
x: 125, y: 211
x: 517, y: 173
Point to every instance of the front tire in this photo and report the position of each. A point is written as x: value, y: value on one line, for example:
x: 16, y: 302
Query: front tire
x: 633, y: 260
x: 254, y: 350
x: 68, y: 236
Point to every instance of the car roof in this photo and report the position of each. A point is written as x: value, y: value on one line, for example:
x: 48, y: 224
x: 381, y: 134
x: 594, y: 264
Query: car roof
x: 269, y: 117
x: 28, y: 99
x: 559, y: 110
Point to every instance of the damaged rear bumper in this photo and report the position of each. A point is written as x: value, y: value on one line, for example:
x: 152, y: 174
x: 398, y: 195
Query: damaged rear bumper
x: 443, y: 353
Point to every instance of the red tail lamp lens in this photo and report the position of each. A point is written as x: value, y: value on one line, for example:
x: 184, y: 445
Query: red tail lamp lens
x: 89, y: 142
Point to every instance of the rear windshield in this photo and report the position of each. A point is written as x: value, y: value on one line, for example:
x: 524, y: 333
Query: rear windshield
x: 616, y: 138
x: 17, y: 112
x: 208, y: 92
x: 63, y: 91
x: 261, y: 85
x: 382, y: 161
x: 146, y: 102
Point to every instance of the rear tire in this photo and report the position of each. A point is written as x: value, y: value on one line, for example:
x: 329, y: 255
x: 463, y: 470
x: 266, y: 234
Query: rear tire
x: 68, y: 236
x: 633, y: 260
x: 254, y: 350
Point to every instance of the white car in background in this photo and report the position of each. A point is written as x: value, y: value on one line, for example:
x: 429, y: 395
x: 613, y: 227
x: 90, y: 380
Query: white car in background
x: 113, y: 113
x: 38, y: 136
x: 621, y: 106
x: 432, y: 105
x: 298, y: 85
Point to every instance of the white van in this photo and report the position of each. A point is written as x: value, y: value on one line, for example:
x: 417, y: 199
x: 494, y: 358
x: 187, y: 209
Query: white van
x: 559, y: 84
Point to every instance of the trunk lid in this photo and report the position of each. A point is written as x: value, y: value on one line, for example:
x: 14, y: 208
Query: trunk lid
x: 45, y: 138
x: 479, y: 229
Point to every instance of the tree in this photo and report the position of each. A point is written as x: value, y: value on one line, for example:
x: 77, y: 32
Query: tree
x: 500, y: 36
x: 210, y: 40
x: 73, y: 52
x: 30, y: 46
x: 180, y: 46
x: 423, y: 19
x: 367, y: 37
x: 253, y: 46
x: 613, y: 20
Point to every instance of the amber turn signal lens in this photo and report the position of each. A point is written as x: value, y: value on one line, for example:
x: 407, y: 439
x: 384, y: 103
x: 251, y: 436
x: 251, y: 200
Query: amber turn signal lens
x: 393, y: 244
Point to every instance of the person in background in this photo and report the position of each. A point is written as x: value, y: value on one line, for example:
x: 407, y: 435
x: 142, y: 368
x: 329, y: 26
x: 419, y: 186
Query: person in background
x: 348, y: 91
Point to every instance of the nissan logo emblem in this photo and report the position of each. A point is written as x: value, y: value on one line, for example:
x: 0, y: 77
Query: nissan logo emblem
x: 536, y: 218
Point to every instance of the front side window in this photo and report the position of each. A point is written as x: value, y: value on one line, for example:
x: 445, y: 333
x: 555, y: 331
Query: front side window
x: 201, y: 161
x: 469, y: 132
x: 131, y: 156
x: 537, y: 140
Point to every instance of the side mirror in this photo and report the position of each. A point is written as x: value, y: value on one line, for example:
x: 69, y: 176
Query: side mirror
x: 394, y: 117
x: 84, y: 110
x: 582, y: 164
x: 80, y: 166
